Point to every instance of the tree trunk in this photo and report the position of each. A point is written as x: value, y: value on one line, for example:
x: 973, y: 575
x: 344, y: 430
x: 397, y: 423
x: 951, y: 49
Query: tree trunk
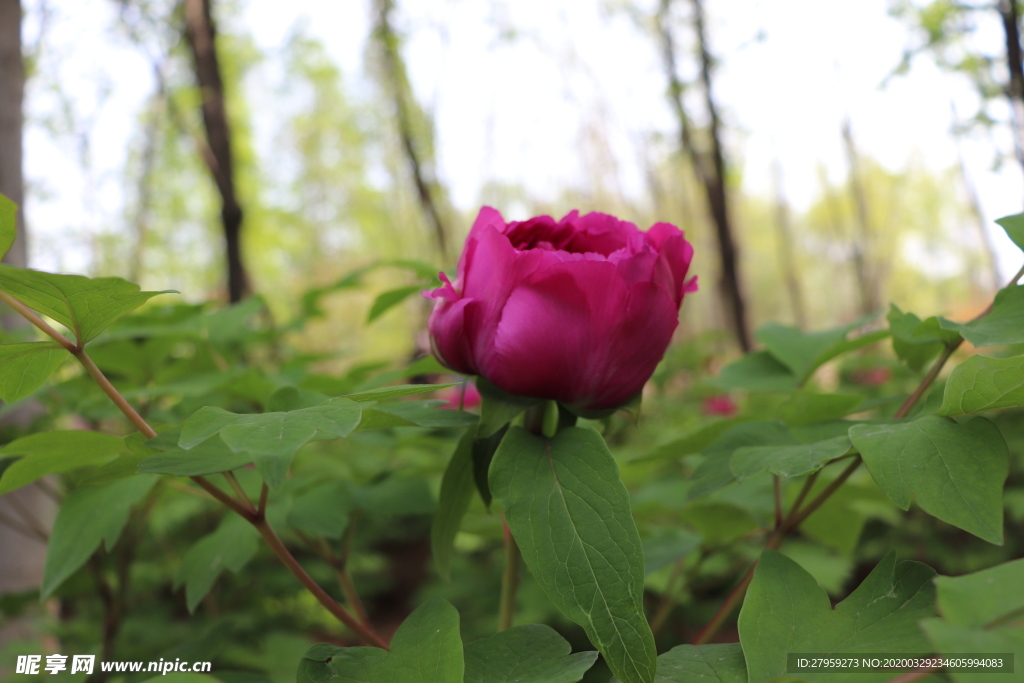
x: 26, y: 514
x: 786, y: 261
x: 401, y: 95
x: 709, y: 166
x: 869, y: 301
x: 1008, y: 11
x: 201, y: 34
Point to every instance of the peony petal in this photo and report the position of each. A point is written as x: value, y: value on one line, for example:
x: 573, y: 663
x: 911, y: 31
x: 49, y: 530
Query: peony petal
x: 448, y: 336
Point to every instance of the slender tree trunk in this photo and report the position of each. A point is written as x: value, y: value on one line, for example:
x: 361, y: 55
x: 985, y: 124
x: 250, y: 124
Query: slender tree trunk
x: 151, y: 135
x: 1009, y: 13
x: 201, y: 33
x: 402, y: 99
x: 27, y: 511
x: 869, y: 301
x: 993, y: 281
x: 709, y: 166
x: 786, y: 260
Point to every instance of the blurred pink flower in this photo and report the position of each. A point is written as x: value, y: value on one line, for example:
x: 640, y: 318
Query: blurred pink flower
x: 722, y: 404
x: 451, y: 394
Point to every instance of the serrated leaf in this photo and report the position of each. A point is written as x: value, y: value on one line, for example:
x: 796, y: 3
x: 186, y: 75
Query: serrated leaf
x: 207, y: 457
x: 389, y: 299
x: 272, y: 439
x: 456, y: 492
x: 570, y: 515
x: 231, y: 546
x: 758, y: 371
x: 804, y: 352
x: 54, y: 453
x: 955, y: 471
x: 90, y: 515
x: 525, y: 654
x: 805, y: 407
x: 980, y: 384
x: 426, y: 648
x: 86, y: 306
x: 388, y: 393
x: 8, y: 224
x: 714, y: 471
x: 787, y: 461
x: 1004, y: 324
x: 722, y: 663
x: 26, y: 366
x: 785, y: 611
x: 1014, y: 227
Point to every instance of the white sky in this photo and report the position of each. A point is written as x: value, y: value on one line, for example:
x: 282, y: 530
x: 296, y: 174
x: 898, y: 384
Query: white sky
x: 513, y: 110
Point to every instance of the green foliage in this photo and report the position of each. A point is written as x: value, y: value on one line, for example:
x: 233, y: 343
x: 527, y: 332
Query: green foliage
x: 785, y: 611
x: 570, y: 515
x: 89, y: 516
x: 532, y: 653
x: 86, y: 306
x: 426, y: 648
x: 231, y: 546
x: 691, y: 663
x: 981, y: 384
x: 1004, y: 324
x: 8, y: 224
x: 804, y: 352
x: 453, y: 501
x: 39, y: 455
x: 787, y: 461
x: 26, y: 366
x: 954, y: 470
x: 1014, y: 227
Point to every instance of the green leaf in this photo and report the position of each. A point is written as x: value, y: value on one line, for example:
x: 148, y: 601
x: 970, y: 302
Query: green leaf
x: 207, y: 457
x: 90, y: 515
x: 804, y: 352
x: 387, y: 393
x: 980, y: 384
x: 26, y: 366
x: 483, y: 453
x: 702, y: 664
x: 56, y: 452
x: 231, y: 546
x: 525, y: 654
x: 954, y: 470
x: 1014, y: 227
x: 570, y: 515
x: 498, y: 407
x: 787, y: 461
x: 758, y: 371
x: 667, y: 547
x: 715, y: 472
x: 323, y: 510
x: 786, y: 611
x: 272, y: 439
x: 910, y: 344
x: 86, y: 306
x: 456, y: 492
x: 291, y: 398
x: 8, y: 224
x: 805, y: 407
x: 980, y: 613
x: 414, y: 414
x: 695, y: 441
x: 390, y: 299
x: 1004, y: 324
x: 426, y: 648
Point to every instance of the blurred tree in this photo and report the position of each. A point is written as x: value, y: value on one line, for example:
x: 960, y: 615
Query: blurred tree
x: 708, y: 160
x: 861, y: 242
x: 414, y: 128
x: 201, y: 33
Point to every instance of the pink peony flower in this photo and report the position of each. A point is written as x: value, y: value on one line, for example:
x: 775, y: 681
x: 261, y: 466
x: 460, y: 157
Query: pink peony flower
x: 578, y: 310
x: 452, y: 394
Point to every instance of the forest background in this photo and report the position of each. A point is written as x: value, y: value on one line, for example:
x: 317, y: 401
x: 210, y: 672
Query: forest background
x: 824, y: 158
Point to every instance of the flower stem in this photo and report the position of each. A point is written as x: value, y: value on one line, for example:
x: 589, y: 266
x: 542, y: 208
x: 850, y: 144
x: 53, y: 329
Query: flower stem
x: 509, y: 582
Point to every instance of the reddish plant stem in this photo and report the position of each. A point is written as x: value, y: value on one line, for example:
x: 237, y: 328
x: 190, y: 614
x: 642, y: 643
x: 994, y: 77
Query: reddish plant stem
x: 244, y: 509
